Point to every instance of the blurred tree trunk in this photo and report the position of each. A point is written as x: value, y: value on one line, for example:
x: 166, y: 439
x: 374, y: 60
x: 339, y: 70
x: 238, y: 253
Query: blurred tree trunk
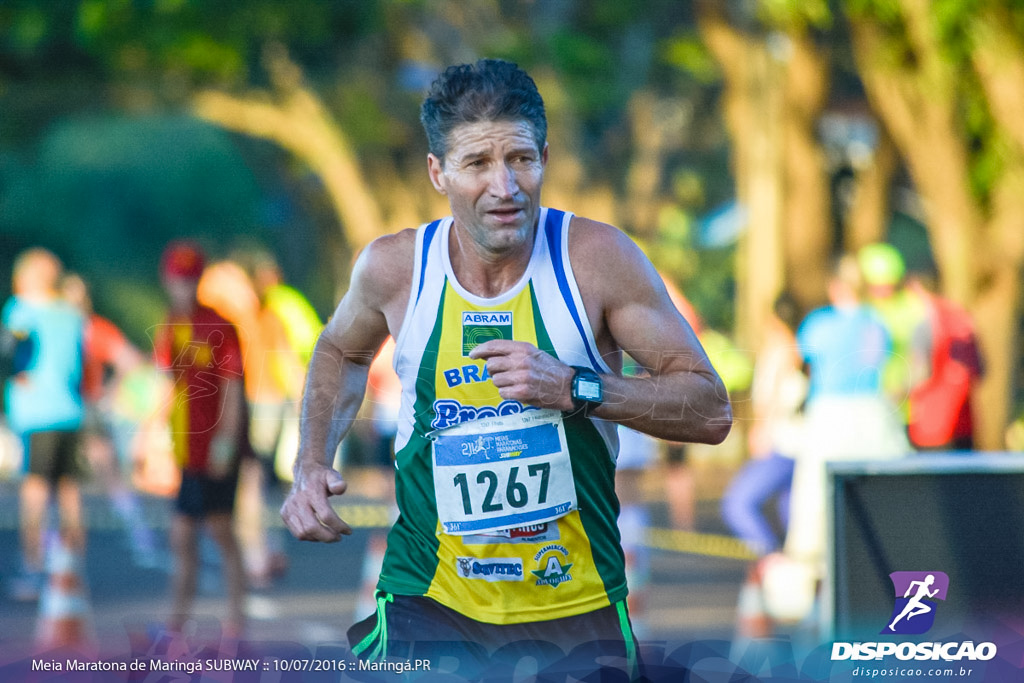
x: 998, y: 58
x: 978, y: 241
x: 654, y: 125
x: 807, y: 233
x: 295, y: 118
x: 866, y: 219
x: 752, y: 104
x: 567, y: 183
x: 775, y: 92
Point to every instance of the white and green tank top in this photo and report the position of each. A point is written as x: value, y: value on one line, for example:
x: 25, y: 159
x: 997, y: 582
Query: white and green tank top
x: 507, y: 513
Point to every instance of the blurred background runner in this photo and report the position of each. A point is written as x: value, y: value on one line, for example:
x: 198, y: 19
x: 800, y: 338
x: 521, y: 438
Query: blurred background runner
x: 108, y: 438
x: 200, y: 351
x: 276, y: 327
x: 44, y: 408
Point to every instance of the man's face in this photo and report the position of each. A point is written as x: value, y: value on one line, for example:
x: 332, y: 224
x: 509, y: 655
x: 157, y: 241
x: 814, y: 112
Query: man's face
x: 37, y: 277
x: 181, y: 291
x: 492, y: 174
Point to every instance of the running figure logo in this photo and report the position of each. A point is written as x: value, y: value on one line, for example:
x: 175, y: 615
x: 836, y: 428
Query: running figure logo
x: 914, y: 608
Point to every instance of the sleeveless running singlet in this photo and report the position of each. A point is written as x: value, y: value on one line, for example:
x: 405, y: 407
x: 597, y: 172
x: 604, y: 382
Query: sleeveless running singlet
x: 472, y: 533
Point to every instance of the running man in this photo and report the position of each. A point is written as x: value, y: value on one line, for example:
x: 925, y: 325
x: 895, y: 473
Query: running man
x: 510, y: 322
x: 44, y: 405
x: 915, y: 606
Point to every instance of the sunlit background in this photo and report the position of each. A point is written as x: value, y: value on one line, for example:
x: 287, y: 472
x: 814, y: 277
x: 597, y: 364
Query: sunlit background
x: 744, y: 144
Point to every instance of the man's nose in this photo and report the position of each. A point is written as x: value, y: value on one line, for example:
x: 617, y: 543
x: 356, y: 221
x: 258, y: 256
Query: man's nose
x: 504, y: 183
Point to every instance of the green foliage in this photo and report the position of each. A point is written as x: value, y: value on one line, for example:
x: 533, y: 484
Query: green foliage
x: 198, y: 52
x: 610, y: 13
x: 734, y: 365
x: 796, y: 14
x: 111, y: 191
x: 885, y: 12
x: 361, y: 116
x: 688, y: 53
x: 582, y: 59
x: 27, y: 29
x: 712, y: 287
x: 986, y: 143
x: 705, y: 276
x: 952, y: 21
x: 672, y: 249
x: 203, y: 41
x: 136, y: 306
x: 952, y: 26
x: 96, y: 16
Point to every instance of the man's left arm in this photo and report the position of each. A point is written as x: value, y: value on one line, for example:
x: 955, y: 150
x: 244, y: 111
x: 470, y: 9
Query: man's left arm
x: 629, y: 309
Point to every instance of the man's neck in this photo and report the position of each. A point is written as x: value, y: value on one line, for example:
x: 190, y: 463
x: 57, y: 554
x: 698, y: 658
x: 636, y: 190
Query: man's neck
x: 185, y: 311
x: 38, y: 296
x: 484, y: 273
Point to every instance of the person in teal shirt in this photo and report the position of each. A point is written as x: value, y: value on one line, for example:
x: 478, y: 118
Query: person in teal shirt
x: 44, y: 408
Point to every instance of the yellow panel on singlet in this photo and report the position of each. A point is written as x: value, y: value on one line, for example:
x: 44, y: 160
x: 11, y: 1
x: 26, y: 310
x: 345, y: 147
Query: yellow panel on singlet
x: 534, y: 572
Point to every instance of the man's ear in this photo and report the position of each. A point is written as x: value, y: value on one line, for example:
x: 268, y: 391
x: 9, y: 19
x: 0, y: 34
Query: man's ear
x: 435, y: 169
x: 544, y: 155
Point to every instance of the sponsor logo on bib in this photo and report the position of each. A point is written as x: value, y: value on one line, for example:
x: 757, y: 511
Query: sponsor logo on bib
x: 553, y: 570
x: 450, y: 412
x: 483, y: 326
x: 531, y: 533
x: 490, y: 568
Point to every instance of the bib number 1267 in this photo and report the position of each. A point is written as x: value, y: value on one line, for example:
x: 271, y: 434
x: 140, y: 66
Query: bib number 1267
x: 503, y: 472
x: 517, y: 493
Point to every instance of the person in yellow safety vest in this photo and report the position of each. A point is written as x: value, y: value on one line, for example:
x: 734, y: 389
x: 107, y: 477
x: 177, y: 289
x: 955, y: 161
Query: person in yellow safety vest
x: 905, y: 316
x: 302, y: 324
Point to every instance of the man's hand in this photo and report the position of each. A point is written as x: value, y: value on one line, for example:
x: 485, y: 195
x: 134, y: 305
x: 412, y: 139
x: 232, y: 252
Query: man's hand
x: 307, y: 510
x: 524, y: 373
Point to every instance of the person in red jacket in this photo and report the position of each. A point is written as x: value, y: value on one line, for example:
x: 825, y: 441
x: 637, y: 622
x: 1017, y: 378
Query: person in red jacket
x: 940, y: 405
x: 200, y: 351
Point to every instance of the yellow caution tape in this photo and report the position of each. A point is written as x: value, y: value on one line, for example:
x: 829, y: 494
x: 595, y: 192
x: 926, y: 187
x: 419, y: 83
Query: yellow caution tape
x: 372, y: 516
x: 710, y: 545
x: 365, y: 516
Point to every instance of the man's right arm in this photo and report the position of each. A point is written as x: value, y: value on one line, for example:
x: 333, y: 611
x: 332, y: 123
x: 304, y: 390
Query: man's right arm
x: 336, y: 383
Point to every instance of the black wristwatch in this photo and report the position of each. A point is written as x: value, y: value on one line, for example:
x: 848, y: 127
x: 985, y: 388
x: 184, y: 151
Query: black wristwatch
x: 587, y: 389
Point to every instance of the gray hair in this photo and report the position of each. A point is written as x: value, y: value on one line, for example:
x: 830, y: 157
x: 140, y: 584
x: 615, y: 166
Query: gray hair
x: 489, y: 90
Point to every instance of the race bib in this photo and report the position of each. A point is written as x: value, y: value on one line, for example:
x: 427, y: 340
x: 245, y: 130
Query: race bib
x: 502, y: 472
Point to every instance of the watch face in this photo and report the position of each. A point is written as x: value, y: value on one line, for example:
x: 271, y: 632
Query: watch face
x: 588, y: 390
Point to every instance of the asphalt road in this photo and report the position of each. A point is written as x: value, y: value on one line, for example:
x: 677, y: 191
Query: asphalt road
x: 691, y: 597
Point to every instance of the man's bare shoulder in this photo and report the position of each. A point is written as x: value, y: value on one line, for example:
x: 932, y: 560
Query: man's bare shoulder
x: 392, y: 250
x: 385, y: 267
x: 604, y: 253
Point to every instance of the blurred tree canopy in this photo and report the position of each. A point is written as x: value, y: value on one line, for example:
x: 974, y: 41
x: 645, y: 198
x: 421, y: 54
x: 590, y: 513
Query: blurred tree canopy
x: 941, y: 82
x: 743, y: 143
x: 947, y: 81
x: 335, y: 89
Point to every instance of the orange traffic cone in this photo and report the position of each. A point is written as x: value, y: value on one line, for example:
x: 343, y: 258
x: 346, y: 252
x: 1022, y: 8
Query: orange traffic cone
x: 64, y: 605
x: 752, y: 618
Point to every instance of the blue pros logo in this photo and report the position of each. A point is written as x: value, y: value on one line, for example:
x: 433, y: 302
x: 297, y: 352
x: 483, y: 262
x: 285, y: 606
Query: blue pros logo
x: 914, y: 606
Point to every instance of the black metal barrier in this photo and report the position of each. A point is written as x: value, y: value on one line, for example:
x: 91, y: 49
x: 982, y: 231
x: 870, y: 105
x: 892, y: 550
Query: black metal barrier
x: 960, y: 514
